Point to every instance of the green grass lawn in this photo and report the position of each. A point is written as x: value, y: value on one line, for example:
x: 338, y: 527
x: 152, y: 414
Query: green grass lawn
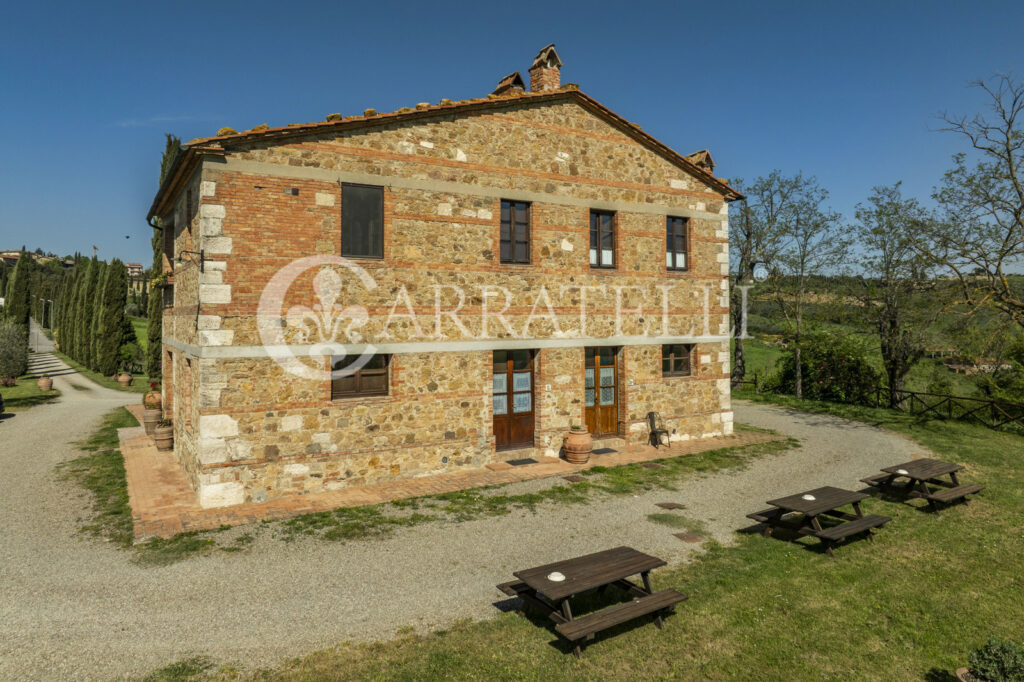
x: 140, y: 325
x: 25, y: 394
x: 909, y: 606
x: 140, y: 384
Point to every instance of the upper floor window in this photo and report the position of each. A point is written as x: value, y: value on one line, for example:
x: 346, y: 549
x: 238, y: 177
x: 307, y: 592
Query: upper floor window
x: 362, y: 221
x: 602, y: 239
x: 677, y: 359
x: 369, y: 379
x: 676, y: 243
x: 515, y: 232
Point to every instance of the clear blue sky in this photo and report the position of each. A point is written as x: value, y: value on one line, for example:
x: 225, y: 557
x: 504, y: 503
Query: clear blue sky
x: 847, y: 92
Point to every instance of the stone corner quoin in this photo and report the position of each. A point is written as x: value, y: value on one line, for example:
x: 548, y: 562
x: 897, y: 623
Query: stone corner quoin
x: 467, y: 382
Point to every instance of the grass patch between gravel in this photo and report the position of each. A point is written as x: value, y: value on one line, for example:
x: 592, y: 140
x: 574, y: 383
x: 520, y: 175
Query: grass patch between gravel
x: 909, y: 606
x: 140, y: 382
x: 350, y: 523
x: 25, y: 394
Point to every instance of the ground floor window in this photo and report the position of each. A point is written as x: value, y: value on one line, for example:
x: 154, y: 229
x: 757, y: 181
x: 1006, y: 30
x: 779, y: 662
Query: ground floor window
x: 353, y: 375
x: 677, y: 359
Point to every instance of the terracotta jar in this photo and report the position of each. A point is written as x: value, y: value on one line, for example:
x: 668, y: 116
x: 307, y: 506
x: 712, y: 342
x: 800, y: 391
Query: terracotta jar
x: 153, y: 400
x: 577, y: 446
x: 124, y: 379
x: 150, y: 418
x: 44, y: 383
x: 164, y: 437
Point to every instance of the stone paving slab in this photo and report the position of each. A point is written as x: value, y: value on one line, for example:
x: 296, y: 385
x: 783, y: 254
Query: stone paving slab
x: 164, y: 504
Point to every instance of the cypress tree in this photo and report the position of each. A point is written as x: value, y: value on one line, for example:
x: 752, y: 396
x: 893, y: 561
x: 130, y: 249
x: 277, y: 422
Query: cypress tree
x: 110, y: 318
x: 155, y: 302
x: 83, y: 329
x: 97, y: 308
x: 69, y: 311
x: 16, y: 303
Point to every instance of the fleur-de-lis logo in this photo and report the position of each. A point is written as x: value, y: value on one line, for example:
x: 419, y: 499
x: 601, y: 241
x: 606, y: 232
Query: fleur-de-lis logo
x: 322, y: 324
x: 325, y: 330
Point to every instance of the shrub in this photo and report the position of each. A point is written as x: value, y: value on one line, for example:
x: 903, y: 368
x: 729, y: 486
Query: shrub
x: 834, y: 368
x: 998, y: 661
x: 13, y: 349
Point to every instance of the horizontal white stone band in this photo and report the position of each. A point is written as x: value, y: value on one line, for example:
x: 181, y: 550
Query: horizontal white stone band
x: 226, y: 352
x: 444, y: 186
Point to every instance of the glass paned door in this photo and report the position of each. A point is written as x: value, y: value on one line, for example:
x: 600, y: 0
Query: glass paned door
x: 601, y: 391
x: 512, y: 398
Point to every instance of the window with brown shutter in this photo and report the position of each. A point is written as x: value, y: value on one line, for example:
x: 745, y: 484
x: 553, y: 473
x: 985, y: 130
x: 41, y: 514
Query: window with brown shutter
x: 676, y: 243
x: 370, y: 379
x: 515, y: 232
x: 602, y: 239
x: 677, y: 359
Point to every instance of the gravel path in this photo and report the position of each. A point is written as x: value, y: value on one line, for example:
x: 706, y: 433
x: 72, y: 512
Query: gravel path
x: 77, y: 609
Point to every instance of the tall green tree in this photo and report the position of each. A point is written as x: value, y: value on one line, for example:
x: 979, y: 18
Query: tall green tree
x: 85, y: 304
x: 68, y: 310
x: 110, y: 318
x: 811, y: 243
x: 97, y: 308
x: 16, y: 304
x: 756, y: 226
x: 895, y: 277
x: 155, y: 303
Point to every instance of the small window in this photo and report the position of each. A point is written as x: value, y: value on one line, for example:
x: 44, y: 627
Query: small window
x: 602, y: 239
x: 362, y: 221
x: 676, y: 243
x: 515, y: 232
x: 370, y: 379
x: 676, y: 359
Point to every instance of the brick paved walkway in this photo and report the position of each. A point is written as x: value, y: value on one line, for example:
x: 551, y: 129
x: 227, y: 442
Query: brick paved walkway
x: 163, y: 503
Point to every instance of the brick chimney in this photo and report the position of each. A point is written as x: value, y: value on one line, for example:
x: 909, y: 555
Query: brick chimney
x: 546, y: 72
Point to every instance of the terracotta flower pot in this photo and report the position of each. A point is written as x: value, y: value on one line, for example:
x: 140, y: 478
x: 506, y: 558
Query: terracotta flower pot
x: 124, y: 379
x: 164, y: 437
x: 577, y: 446
x: 150, y: 418
x: 153, y: 400
x: 44, y: 383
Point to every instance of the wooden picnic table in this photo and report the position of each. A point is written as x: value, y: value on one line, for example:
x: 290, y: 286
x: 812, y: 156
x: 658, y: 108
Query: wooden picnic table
x: 825, y: 502
x: 922, y: 473
x: 597, y: 571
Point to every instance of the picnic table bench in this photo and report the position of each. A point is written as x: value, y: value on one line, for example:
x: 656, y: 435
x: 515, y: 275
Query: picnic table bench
x: 919, y: 475
x: 597, y: 571
x: 820, y: 502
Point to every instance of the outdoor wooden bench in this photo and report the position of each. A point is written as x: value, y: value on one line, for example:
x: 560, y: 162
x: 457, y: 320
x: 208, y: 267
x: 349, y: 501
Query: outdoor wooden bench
x: 816, y: 503
x: 591, y: 624
x: 947, y: 495
x: 922, y: 473
x: 550, y: 587
x: 845, y: 530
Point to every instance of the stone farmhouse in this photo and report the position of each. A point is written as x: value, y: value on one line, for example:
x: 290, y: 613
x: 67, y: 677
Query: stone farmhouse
x: 394, y: 295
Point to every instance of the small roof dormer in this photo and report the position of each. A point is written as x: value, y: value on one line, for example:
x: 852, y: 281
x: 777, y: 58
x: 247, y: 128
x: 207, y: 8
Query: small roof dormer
x: 511, y: 84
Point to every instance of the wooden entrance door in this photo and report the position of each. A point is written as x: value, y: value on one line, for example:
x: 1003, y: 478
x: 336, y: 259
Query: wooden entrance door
x: 601, y: 391
x: 512, y: 396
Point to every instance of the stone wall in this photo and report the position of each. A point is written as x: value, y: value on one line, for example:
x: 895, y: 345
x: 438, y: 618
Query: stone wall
x: 249, y: 431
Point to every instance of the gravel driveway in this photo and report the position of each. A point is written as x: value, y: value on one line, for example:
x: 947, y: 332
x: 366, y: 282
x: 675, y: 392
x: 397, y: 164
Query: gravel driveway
x: 73, y: 608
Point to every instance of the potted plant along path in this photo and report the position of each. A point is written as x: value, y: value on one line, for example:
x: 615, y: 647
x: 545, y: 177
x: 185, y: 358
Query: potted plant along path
x: 45, y: 383
x: 124, y: 379
x: 996, y: 661
x: 163, y: 434
x: 577, y: 444
x: 153, y: 405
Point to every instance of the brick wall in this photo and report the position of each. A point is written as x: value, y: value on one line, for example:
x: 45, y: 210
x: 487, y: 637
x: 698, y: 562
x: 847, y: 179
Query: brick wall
x: 256, y: 431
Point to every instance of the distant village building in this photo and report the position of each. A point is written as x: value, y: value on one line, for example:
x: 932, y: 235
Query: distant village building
x: 609, y: 248
x: 138, y: 282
